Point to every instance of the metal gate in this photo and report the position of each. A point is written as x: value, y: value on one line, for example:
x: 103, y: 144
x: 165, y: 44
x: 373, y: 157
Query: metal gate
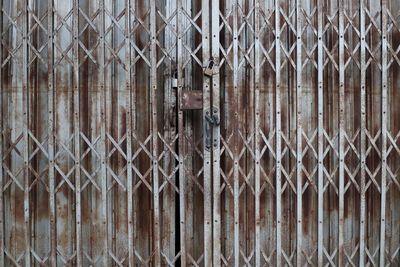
x: 200, y: 133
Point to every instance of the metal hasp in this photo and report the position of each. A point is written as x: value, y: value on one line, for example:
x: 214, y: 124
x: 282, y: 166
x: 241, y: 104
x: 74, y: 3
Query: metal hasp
x: 191, y: 100
x: 211, y: 121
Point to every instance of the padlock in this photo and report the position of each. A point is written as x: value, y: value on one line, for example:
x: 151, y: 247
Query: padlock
x: 209, y: 69
x: 174, y: 82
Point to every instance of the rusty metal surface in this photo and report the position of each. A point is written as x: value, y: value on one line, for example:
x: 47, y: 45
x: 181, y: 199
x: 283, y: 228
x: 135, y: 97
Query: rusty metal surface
x: 191, y: 100
x: 199, y: 133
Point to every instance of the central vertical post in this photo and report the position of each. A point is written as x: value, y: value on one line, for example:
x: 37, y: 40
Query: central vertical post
x: 216, y: 209
x: 207, y: 154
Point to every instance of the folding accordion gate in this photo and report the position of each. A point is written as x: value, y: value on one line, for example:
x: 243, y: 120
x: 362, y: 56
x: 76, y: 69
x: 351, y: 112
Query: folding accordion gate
x: 201, y: 133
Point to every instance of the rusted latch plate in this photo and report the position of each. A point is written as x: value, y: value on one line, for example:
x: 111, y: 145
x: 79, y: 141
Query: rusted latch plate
x: 191, y: 100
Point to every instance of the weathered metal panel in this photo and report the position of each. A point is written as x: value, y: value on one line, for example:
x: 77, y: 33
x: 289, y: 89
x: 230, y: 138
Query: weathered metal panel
x: 120, y: 144
x: 191, y: 100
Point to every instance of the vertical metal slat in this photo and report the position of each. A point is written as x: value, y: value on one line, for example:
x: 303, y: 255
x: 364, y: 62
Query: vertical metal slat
x: 236, y: 245
x: 299, y: 131
x: 50, y: 99
x: 103, y: 137
x: 384, y: 117
x: 207, y: 154
x: 257, y: 54
x: 362, y: 134
x: 341, y: 133
x: 76, y: 123
x: 128, y: 90
x: 216, y: 155
x: 133, y: 111
x: 278, y: 135
x: 320, y: 78
x: 25, y: 108
x: 154, y: 133
x: 181, y: 138
x: 2, y: 132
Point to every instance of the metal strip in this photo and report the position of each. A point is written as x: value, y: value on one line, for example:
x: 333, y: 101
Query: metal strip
x: 25, y: 108
x: 188, y: 65
x: 103, y: 138
x: 278, y: 135
x: 299, y: 131
x: 76, y: 123
x: 320, y: 78
x: 341, y: 133
x: 181, y: 138
x: 133, y: 110
x: 50, y: 95
x: 362, y: 133
x: 16, y: 134
x: 257, y: 60
x: 236, y: 245
x: 131, y: 252
x: 2, y: 132
x: 216, y: 155
x: 207, y: 153
x: 154, y: 132
x: 169, y: 234
x: 384, y: 30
